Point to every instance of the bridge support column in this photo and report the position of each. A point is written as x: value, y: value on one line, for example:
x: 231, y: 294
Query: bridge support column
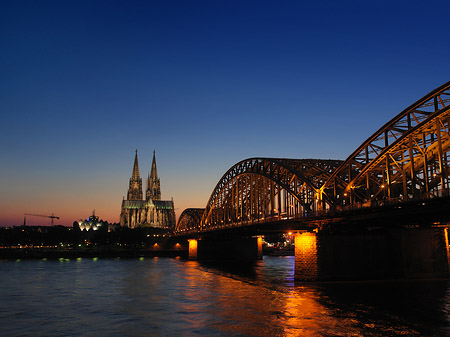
x: 244, y: 249
x: 193, y: 245
x: 386, y: 254
x: 306, y: 256
x: 421, y: 253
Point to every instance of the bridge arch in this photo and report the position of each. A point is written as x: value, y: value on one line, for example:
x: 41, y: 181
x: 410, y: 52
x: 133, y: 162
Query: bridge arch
x: 267, y: 189
x: 190, y: 219
x: 414, y: 166
x: 394, y: 152
x: 407, y: 158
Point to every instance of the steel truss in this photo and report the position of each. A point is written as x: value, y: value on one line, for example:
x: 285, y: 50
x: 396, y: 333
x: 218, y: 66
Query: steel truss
x: 267, y: 189
x: 406, y: 159
x: 189, y: 219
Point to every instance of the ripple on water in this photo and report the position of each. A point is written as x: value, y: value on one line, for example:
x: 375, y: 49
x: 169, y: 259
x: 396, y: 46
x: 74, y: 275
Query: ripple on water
x: 167, y: 297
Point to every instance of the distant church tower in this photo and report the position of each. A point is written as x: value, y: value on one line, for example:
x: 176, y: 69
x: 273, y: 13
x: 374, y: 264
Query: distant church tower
x: 153, y: 183
x: 135, y: 189
x: 151, y: 211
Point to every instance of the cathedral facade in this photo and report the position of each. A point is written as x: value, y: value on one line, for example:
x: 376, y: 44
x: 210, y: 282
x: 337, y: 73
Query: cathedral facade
x: 150, y: 211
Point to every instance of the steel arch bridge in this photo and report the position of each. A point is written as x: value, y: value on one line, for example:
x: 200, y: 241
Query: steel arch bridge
x: 190, y: 219
x: 406, y: 159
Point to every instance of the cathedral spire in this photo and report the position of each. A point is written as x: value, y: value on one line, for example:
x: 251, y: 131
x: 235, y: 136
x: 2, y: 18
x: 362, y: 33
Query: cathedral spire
x: 150, y: 211
x: 154, y: 174
x: 135, y: 188
x: 153, y: 183
x: 135, y: 168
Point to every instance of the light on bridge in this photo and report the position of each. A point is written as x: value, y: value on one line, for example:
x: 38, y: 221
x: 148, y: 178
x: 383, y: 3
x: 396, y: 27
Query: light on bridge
x: 306, y: 255
x: 192, y: 249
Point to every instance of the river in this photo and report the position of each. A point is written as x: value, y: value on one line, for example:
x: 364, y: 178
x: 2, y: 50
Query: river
x: 175, y: 297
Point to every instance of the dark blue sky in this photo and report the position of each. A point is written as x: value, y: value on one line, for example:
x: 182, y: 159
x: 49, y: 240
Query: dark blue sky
x: 204, y: 83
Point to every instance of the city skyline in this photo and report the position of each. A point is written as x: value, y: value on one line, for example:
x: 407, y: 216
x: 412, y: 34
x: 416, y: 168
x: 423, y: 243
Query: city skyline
x: 205, y: 85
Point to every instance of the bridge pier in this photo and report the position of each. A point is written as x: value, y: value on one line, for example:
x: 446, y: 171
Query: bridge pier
x: 306, y: 256
x: 383, y: 254
x: 244, y: 249
x: 192, y: 252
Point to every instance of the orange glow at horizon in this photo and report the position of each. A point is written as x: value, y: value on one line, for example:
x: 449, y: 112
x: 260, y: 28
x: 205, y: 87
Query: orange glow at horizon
x: 70, y: 208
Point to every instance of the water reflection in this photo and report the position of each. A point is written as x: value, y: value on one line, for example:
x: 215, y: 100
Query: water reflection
x: 266, y: 301
x: 369, y: 308
x: 174, y: 297
x: 391, y: 308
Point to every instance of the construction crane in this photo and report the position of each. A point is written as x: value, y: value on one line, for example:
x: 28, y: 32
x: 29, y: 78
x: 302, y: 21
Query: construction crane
x: 45, y: 216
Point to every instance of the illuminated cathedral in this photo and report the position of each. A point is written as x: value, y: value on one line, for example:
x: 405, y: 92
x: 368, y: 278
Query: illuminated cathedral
x: 151, y: 211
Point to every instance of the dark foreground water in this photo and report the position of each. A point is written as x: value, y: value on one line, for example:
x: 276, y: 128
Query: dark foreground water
x: 174, y: 297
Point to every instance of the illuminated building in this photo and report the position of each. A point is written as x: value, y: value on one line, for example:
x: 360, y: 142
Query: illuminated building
x: 90, y: 230
x: 91, y: 224
x: 151, y: 211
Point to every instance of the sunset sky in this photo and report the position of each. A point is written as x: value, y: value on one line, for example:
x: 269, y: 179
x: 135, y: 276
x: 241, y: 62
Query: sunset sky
x: 205, y: 84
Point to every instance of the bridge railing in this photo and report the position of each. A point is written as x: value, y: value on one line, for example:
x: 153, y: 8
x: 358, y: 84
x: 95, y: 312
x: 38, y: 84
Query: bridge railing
x: 273, y: 217
x: 441, y: 193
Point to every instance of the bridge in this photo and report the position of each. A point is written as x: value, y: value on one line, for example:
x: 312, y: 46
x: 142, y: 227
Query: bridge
x: 396, y: 180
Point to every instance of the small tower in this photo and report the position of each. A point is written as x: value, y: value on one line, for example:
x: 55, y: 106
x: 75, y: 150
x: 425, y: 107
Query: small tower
x: 148, y: 192
x: 153, y: 184
x: 135, y: 189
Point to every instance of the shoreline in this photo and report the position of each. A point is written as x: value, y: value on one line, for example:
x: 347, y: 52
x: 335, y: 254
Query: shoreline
x: 48, y: 253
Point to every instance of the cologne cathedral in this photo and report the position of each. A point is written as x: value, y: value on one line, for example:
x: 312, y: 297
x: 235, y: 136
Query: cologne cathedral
x: 151, y: 211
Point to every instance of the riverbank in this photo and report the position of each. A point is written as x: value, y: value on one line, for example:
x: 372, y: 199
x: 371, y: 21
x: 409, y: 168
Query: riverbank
x: 70, y: 253
x: 270, y: 251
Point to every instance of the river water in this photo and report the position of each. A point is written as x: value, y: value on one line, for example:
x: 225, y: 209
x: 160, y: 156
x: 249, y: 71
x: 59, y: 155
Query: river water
x: 175, y: 297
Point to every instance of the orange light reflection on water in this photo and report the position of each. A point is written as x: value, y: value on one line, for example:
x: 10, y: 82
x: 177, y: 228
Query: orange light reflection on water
x: 305, y: 316
x: 214, y: 299
x: 251, y: 307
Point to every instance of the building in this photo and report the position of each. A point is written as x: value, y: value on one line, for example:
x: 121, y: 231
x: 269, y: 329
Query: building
x: 151, y: 211
x: 90, y: 230
x: 93, y: 223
